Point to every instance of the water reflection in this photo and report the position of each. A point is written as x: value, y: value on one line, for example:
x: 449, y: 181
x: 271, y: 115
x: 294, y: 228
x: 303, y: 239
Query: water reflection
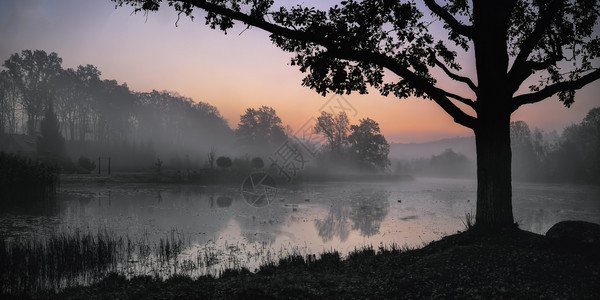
x: 336, y: 222
x: 363, y: 210
x: 369, y: 211
x: 327, y: 215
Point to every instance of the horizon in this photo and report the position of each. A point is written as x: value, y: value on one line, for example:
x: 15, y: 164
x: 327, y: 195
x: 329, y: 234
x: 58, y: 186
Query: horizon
x: 232, y: 72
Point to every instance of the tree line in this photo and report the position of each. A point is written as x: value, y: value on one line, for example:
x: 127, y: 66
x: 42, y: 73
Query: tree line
x: 74, y: 113
x: 573, y: 156
x: 93, y: 116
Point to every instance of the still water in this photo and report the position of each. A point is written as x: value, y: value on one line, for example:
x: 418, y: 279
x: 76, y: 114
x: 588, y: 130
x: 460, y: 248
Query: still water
x: 310, y: 218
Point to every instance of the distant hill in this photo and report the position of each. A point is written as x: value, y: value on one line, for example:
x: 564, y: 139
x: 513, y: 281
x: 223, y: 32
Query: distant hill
x: 463, y: 145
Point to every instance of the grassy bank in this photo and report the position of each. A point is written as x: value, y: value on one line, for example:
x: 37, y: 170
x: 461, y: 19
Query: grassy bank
x: 515, y: 264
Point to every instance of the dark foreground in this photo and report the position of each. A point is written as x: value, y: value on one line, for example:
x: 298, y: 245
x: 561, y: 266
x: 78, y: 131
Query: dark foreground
x: 513, y: 264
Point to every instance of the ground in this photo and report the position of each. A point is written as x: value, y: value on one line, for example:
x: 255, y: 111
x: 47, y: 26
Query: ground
x: 472, y: 264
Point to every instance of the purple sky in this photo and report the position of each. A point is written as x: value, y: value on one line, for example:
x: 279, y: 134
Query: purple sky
x: 232, y: 72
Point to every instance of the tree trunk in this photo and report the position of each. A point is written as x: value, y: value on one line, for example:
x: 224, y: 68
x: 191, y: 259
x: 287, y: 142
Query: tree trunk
x: 492, y: 131
x: 494, y: 190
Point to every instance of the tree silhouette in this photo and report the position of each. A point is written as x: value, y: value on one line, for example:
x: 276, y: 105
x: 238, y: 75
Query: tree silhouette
x: 33, y: 73
x: 224, y: 162
x: 335, y: 129
x: 257, y: 163
x: 260, y: 127
x: 369, y: 145
x: 50, y: 142
x: 347, y: 48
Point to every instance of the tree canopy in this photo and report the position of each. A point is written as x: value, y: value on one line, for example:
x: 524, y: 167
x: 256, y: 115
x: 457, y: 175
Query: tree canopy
x: 369, y: 145
x: 261, y: 127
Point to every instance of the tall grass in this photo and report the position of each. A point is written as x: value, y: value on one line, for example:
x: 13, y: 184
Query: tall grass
x: 77, y: 258
x: 74, y: 258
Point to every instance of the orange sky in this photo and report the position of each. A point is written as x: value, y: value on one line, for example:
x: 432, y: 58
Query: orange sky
x: 232, y: 72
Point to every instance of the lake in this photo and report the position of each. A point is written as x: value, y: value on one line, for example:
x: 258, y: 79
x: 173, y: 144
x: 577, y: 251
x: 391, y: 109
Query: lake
x: 302, y: 219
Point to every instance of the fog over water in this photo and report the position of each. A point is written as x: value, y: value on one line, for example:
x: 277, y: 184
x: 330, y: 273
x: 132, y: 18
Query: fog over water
x: 310, y: 217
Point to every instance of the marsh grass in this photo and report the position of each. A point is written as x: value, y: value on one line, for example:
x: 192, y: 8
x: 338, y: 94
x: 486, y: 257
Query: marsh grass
x: 76, y: 258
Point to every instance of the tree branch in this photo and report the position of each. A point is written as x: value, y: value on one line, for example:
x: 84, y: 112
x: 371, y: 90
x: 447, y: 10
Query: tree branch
x: 461, y: 99
x: 456, y: 77
x: 520, y: 66
x: 528, y: 68
x: 438, y: 95
x: 449, y: 19
x: 555, y: 88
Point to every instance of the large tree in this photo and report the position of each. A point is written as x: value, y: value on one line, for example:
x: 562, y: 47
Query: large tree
x: 335, y: 128
x: 261, y: 127
x: 369, y: 145
x: 351, y: 45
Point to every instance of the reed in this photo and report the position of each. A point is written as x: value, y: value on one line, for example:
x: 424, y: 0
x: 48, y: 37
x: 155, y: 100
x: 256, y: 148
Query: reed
x: 73, y: 258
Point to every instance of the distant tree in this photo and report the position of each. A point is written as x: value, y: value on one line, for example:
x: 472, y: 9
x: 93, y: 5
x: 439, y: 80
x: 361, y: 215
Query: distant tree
x: 525, y: 162
x: 335, y: 129
x: 34, y: 73
x: 353, y: 44
x: 449, y: 164
x: 577, y: 157
x: 158, y: 165
x: 369, y: 145
x: 211, y: 158
x: 257, y: 163
x: 224, y: 162
x: 50, y: 142
x: 86, y: 164
x: 9, y: 102
x: 261, y: 127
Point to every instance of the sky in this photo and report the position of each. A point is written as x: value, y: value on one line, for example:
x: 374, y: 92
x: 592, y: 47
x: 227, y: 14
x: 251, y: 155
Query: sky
x: 232, y: 72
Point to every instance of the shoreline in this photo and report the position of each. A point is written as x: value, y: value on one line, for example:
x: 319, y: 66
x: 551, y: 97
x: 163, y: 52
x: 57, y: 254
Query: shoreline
x: 470, y: 264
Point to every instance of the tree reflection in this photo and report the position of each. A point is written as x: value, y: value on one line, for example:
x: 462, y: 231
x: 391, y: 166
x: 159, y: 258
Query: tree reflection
x: 363, y: 211
x: 368, y: 211
x: 336, y: 223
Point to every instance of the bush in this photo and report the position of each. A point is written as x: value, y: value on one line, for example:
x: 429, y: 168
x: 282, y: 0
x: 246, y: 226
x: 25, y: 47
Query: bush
x: 257, y: 163
x: 86, y: 164
x: 224, y: 162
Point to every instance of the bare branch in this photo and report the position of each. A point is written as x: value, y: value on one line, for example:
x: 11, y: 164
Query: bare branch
x: 461, y: 99
x: 456, y: 77
x: 555, y: 88
x: 449, y: 19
